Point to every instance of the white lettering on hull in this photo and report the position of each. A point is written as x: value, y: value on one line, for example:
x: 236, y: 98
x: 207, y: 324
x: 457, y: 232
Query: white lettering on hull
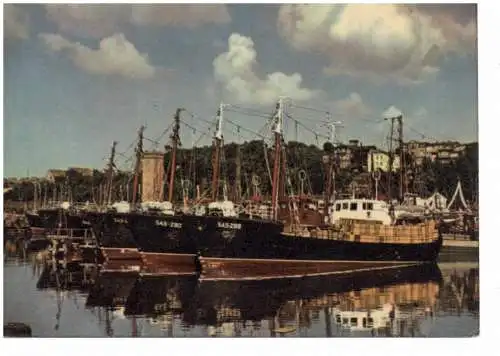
x: 228, y: 226
x: 169, y: 224
x: 120, y: 221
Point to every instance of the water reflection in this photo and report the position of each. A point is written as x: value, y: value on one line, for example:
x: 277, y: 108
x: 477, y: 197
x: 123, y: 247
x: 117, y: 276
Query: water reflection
x: 399, y: 302
x: 292, y: 305
x: 460, y: 292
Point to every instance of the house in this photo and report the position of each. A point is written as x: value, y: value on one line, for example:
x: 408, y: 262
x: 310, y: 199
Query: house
x: 445, y: 152
x: 352, y: 156
x: 378, y: 160
x: 55, y: 174
x: 85, y: 172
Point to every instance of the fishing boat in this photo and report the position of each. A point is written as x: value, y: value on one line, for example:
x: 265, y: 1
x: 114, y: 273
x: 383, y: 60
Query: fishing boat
x: 111, y: 223
x: 363, y: 238
x: 63, y: 216
x: 159, y: 229
x: 146, y: 231
x: 221, y: 228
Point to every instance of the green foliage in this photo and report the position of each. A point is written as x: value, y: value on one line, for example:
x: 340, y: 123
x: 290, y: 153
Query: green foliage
x: 196, y: 165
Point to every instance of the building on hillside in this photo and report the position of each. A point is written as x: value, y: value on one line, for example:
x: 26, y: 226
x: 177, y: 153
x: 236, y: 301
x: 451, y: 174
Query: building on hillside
x: 444, y: 152
x: 352, y: 156
x: 378, y: 160
x: 55, y: 174
x: 85, y: 172
x: 9, y: 181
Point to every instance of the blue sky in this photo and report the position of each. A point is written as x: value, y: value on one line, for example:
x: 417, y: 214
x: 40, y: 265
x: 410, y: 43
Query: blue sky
x: 78, y: 77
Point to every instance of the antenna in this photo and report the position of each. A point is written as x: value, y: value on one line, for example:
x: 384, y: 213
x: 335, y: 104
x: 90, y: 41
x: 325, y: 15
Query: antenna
x: 399, y: 119
x: 278, y: 128
x: 332, y: 128
x: 220, y: 117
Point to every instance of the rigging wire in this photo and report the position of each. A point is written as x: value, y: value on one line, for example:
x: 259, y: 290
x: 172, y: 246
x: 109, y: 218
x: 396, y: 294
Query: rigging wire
x: 248, y: 113
x: 316, y: 134
x: 254, y: 111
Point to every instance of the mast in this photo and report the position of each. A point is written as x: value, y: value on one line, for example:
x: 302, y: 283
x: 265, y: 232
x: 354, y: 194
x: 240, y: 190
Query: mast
x: 216, y: 156
x: 111, y: 164
x: 175, y: 141
x: 402, y: 169
x: 282, y: 186
x: 35, y: 198
x: 278, y: 129
x: 329, y: 161
x: 391, y: 158
x: 238, y: 192
x: 238, y: 174
x: 45, y: 188
x: 138, y: 152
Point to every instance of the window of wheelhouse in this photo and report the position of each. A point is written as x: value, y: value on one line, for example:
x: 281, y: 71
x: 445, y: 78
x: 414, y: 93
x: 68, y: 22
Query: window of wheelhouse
x: 345, y: 206
x: 353, y: 207
x: 367, y: 206
x: 368, y: 322
x: 337, y: 206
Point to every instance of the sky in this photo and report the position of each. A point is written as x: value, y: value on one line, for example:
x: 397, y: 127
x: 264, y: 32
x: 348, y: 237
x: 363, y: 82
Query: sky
x: 77, y: 77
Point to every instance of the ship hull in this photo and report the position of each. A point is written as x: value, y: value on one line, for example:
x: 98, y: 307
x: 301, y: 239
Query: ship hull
x: 168, y: 263
x: 216, y: 236
x: 35, y: 221
x: 114, y: 236
x: 163, y: 243
x: 55, y: 218
x: 155, y: 239
x: 158, y: 234
x: 265, y: 257
x: 111, y: 253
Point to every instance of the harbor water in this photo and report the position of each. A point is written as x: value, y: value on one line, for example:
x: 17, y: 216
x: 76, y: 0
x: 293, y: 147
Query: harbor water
x: 57, y: 299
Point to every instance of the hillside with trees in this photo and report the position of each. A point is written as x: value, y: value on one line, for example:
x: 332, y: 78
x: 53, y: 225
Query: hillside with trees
x: 195, y: 165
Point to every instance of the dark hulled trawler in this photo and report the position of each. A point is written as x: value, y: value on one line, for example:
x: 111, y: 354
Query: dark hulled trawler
x: 352, y: 244
x: 159, y: 233
x: 216, y: 228
x: 111, y: 224
x: 52, y: 217
x: 150, y: 230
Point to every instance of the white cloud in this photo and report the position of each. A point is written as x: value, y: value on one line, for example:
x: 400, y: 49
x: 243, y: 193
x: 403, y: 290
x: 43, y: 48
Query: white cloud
x: 235, y: 70
x: 15, y: 23
x: 352, y: 106
x: 115, y: 56
x: 383, y: 41
x: 392, y: 111
x: 99, y: 20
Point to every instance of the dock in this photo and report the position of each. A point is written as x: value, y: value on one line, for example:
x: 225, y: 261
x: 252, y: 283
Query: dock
x: 459, y: 249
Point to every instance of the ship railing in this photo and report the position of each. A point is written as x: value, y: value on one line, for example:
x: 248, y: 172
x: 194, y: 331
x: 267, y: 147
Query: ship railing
x: 370, y: 233
x: 264, y: 213
x: 70, y: 234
